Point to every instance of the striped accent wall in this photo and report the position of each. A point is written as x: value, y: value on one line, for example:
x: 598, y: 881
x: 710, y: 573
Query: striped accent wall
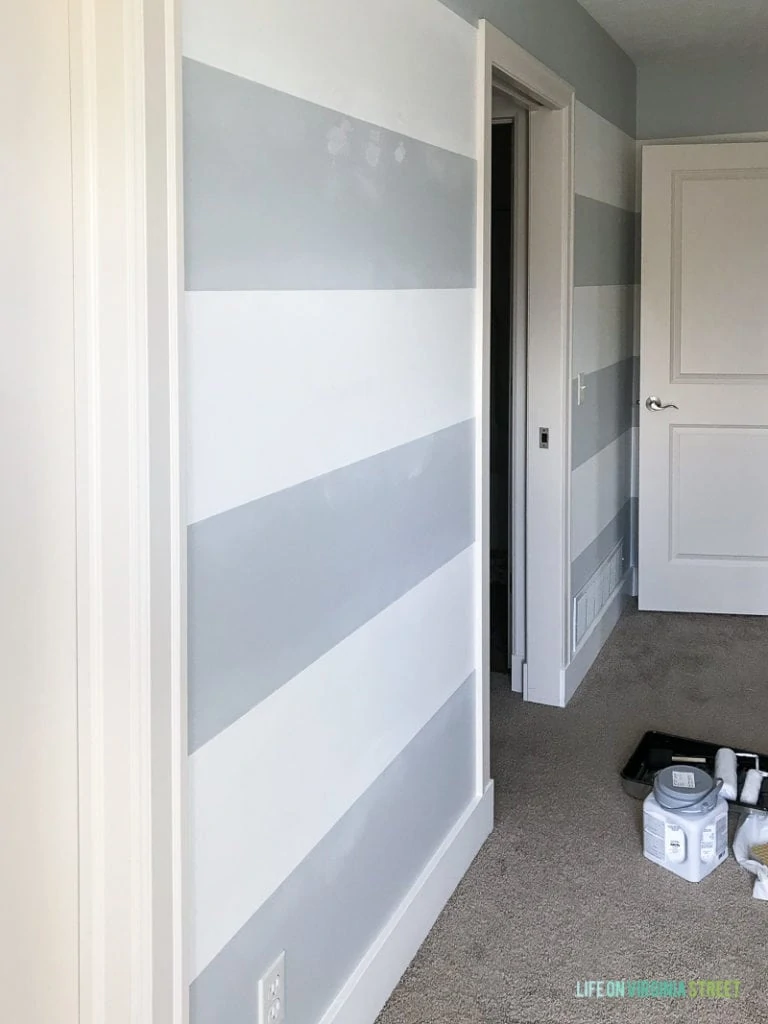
x: 330, y: 177
x: 329, y: 251
x: 605, y: 359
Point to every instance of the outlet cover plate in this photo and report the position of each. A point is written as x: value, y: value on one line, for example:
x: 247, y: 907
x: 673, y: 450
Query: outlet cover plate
x: 272, y: 993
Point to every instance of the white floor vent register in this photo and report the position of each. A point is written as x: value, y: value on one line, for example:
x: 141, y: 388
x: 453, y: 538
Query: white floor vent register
x: 597, y: 593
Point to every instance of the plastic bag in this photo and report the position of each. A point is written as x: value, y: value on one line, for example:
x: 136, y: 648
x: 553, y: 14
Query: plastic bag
x: 753, y: 831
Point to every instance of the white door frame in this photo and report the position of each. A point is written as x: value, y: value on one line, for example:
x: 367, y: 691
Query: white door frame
x: 130, y: 565
x: 549, y: 357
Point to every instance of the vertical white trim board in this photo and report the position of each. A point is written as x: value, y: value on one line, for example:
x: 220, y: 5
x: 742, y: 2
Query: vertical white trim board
x: 130, y: 562
x: 385, y: 961
x: 551, y: 143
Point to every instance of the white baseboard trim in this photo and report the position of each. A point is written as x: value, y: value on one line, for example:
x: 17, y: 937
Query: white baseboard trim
x: 516, y: 673
x: 514, y: 677
x: 376, y: 976
x: 602, y: 628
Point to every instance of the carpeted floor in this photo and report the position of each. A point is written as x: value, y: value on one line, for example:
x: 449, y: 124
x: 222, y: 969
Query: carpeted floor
x: 561, y: 892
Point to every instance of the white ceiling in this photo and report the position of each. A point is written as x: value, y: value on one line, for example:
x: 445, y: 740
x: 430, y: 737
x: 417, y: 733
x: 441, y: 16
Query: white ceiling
x: 653, y: 30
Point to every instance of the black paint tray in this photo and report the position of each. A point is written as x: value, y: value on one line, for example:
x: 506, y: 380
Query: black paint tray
x: 656, y: 749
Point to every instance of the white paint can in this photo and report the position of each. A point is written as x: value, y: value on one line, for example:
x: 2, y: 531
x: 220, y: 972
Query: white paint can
x: 685, y: 822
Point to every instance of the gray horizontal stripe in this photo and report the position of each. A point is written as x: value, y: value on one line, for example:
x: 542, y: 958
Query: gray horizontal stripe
x: 330, y: 909
x: 690, y: 98
x: 280, y: 193
x: 591, y: 351
x: 604, y: 243
x: 633, y: 530
x: 276, y: 583
x: 562, y: 35
x: 591, y: 558
x: 606, y: 411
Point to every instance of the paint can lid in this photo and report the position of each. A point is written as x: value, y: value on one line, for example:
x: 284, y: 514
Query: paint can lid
x: 685, y: 788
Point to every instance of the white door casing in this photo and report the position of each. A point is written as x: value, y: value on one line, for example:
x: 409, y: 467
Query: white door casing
x: 92, y: 588
x: 703, y: 516
x: 38, y: 626
x: 125, y: 69
x: 550, y: 302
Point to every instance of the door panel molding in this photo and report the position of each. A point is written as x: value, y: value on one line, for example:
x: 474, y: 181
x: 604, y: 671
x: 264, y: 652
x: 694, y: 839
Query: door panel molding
x: 737, y: 499
x: 679, y: 180
x: 703, y: 467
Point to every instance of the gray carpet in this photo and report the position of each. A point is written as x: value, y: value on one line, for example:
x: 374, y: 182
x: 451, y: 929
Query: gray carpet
x: 561, y: 891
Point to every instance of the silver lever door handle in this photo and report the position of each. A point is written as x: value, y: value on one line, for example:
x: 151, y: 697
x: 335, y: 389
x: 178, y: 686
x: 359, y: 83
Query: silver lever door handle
x: 654, y: 404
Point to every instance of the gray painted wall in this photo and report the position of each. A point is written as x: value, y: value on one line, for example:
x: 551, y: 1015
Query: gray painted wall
x: 569, y: 41
x: 329, y: 211
x: 332, y: 552
x: 607, y: 413
x: 621, y: 528
x: 703, y: 98
x: 286, y: 195
x: 605, y: 243
x: 330, y: 909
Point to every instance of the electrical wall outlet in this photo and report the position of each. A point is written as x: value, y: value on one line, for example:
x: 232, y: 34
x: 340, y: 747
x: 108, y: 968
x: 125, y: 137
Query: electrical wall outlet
x: 272, y: 993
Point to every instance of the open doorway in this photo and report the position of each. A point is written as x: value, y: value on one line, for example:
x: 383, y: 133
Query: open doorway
x: 539, y: 417
x: 508, y: 357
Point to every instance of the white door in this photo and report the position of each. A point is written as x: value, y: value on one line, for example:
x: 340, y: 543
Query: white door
x: 38, y: 694
x: 704, y: 355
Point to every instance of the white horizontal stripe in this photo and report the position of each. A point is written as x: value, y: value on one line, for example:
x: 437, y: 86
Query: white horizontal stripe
x: 603, y: 326
x: 285, y: 386
x: 268, y: 788
x: 605, y: 160
x: 599, y: 489
x: 406, y: 65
